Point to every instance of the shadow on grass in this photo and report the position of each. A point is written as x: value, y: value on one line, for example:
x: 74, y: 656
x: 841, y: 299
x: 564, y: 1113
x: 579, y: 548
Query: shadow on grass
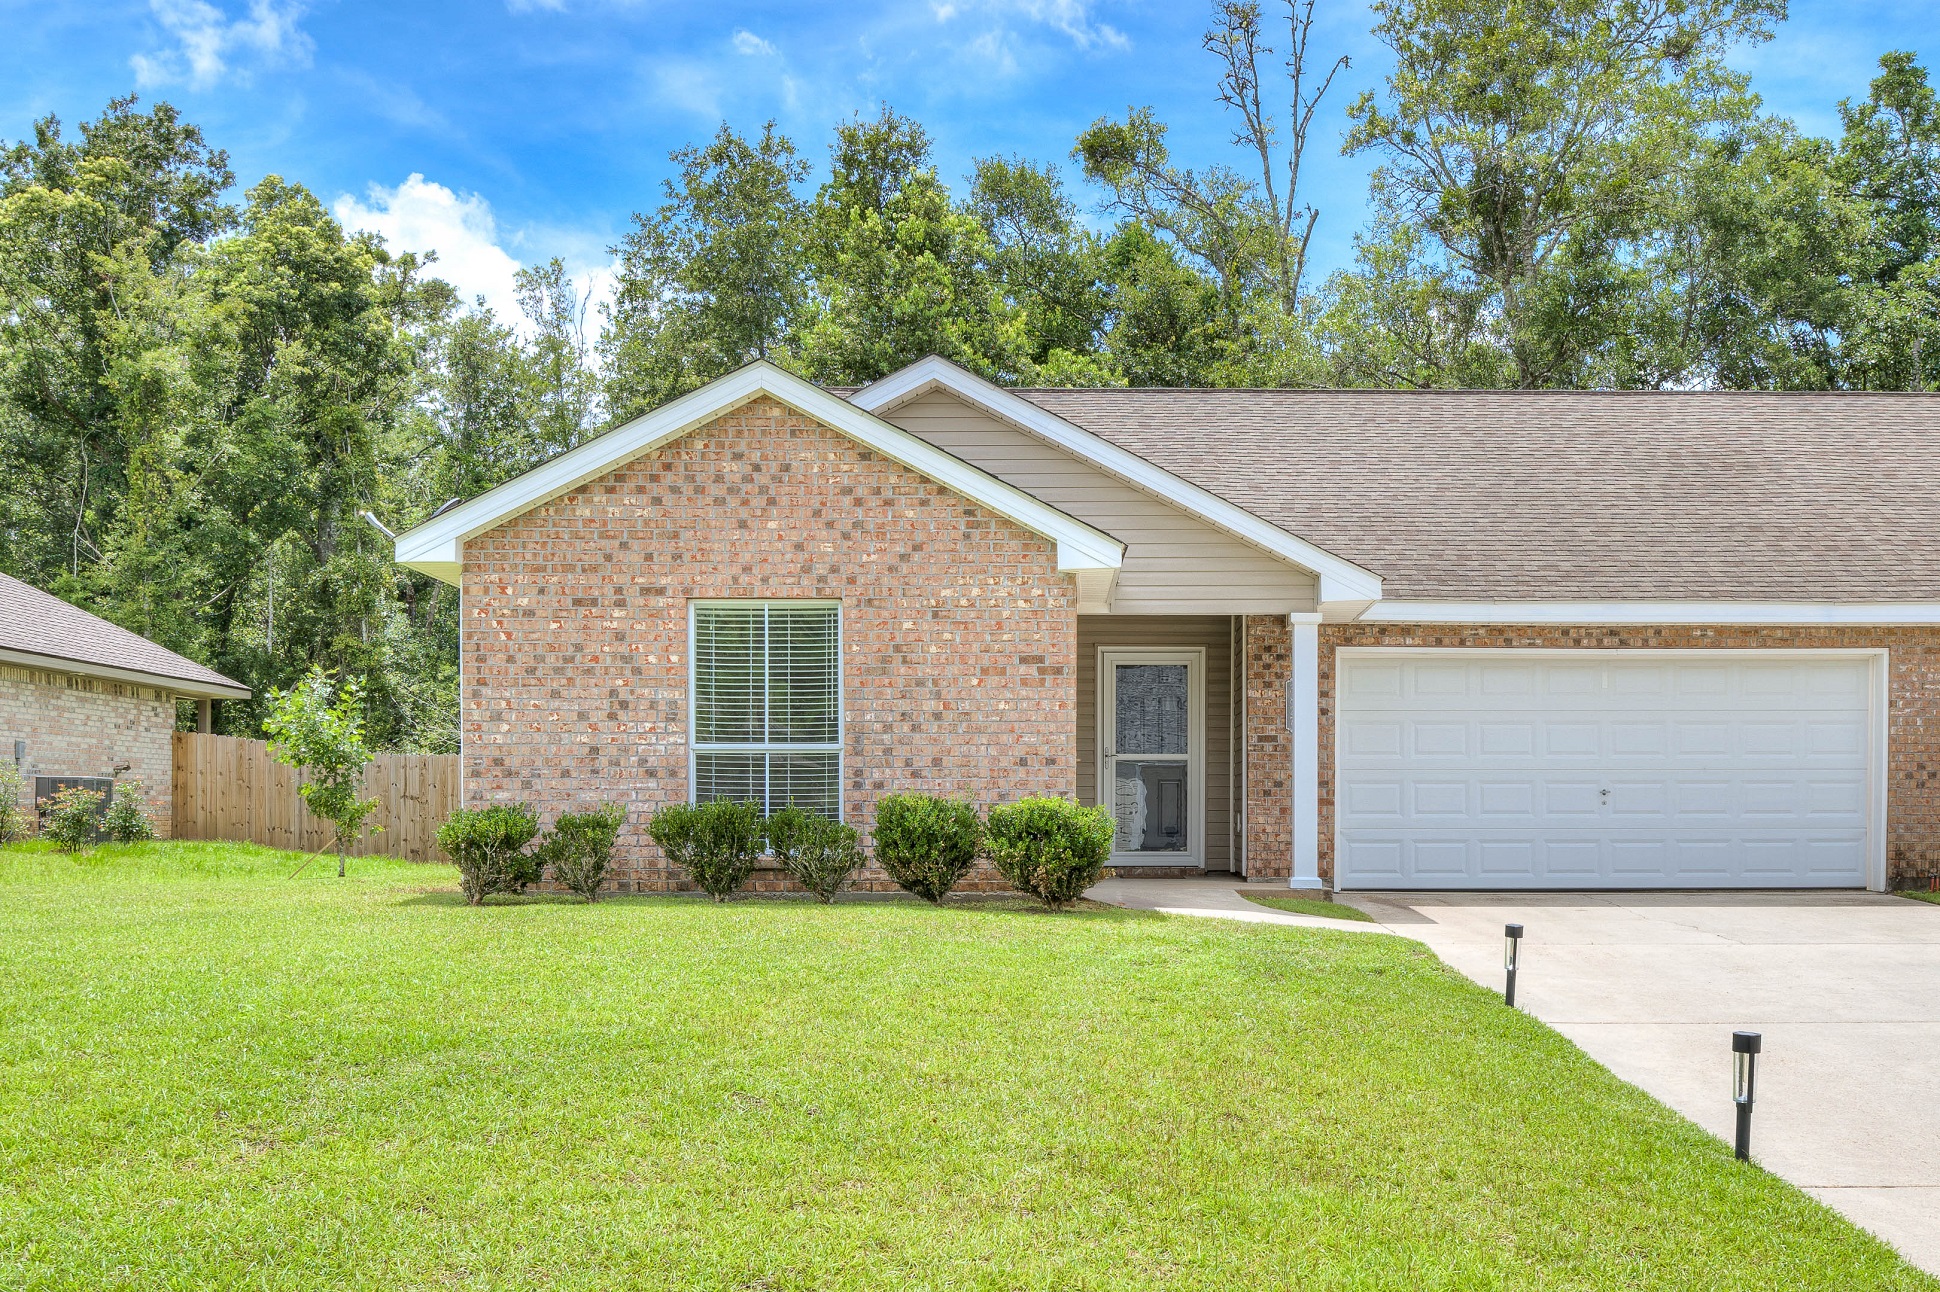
x: 960, y: 903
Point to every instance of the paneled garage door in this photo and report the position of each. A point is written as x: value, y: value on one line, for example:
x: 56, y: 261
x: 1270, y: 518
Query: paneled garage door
x: 1621, y: 769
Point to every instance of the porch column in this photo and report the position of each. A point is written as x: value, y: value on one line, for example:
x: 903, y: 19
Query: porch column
x: 1303, y: 723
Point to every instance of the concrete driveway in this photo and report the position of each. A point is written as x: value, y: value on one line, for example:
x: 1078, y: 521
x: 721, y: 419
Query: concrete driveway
x: 1844, y: 986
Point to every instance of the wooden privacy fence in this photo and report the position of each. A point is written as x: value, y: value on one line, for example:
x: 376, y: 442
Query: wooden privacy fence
x: 230, y: 788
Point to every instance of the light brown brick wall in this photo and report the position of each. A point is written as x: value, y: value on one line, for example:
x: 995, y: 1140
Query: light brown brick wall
x: 1913, y: 719
x: 1266, y: 654
x: 76, y: 726
x: 959, y: 634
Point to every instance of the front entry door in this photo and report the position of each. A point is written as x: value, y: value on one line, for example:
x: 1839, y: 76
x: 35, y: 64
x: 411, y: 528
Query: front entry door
x: 1151, y: 717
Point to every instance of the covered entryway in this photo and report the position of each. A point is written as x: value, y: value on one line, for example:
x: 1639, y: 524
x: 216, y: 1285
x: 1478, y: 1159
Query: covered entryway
x: 1506, y: 769
x: 1156, y: 743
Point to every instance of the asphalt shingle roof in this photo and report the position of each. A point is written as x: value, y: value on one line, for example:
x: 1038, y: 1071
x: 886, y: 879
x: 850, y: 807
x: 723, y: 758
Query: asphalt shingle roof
x: 1567, y: 495
x: 40, y: 623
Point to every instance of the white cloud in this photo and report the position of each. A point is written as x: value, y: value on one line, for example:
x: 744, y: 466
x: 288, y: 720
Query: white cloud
x: 209, y: 44
x: 746, y: 42
x: 1073, y: 18
x: 419, y: 215
x: 691, y: 86
x: 528, y: 6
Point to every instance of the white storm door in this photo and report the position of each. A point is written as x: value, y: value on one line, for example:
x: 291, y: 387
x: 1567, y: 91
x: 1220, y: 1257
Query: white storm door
x: 1151, y: 741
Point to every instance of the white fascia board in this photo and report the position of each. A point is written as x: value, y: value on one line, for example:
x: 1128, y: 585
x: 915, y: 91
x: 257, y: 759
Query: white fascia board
x: 1778, y: 613
x: 437, y: 546
x: 1340, y: 579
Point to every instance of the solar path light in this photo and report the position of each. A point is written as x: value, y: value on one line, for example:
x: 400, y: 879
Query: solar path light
x: 1511, y: 955
x: 1744, y: 1083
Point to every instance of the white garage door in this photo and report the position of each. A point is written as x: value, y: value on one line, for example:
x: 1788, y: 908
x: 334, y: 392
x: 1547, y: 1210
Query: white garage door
x: 1526, y: 769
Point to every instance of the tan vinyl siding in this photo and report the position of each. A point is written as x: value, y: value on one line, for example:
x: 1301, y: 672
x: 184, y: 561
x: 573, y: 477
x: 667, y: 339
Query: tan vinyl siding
x: 1174, y: 562
x: 1214, y: 634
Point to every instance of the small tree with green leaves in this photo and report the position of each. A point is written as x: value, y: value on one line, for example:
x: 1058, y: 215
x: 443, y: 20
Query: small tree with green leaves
x: 317, y: 727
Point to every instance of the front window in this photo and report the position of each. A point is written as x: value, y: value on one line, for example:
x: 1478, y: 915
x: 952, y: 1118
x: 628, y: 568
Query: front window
x: 767, y: 704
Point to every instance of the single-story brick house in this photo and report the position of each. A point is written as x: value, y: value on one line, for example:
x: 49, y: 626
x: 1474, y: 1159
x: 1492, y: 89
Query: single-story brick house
x: 1359, y: 639
x: 81, y: 697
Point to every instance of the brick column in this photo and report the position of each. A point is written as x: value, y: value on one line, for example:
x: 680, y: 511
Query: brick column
x: 1267, y: 656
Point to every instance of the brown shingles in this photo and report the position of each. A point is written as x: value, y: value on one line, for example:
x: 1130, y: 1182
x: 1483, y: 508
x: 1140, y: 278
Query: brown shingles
x: 42, y: 624
x: 1565, y: 495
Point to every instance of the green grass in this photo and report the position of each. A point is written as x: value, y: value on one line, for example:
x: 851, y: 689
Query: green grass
x: 1920, y: 897
x: 214, y: 1076
x: 1312, y: 906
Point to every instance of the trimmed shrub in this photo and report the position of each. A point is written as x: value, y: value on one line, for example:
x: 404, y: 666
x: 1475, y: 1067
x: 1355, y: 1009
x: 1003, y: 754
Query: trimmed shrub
x: 579, y: 848
x: 71, y: 817
x: 821, y: 855
x: 1049, y: 847
x: 489, y: 847
x: 16, y: 822
x: 925, y: 843
x: 126, y: 820
x: 715, y: 843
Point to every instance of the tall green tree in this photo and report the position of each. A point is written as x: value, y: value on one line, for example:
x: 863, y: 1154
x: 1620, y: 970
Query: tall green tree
x: 1534, y: 146
x: 1047, y: 266
x: 1889, y: 161
x: 715, y: 277
x: 900, y: 270
x: 98, y: 239
x: 1250, y: 233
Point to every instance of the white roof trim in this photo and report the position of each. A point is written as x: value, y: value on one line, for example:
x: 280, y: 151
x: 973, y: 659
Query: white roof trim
x: 437, y: 546
x: 1340, y: 579
x: 160, y: 681
x: 1787, y: 613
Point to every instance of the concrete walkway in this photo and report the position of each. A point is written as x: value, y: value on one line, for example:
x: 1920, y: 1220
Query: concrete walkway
x: 1216, y: 899
x: 1845, y: 987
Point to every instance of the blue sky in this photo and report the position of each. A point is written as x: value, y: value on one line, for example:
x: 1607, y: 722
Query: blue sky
x: 508, y: 131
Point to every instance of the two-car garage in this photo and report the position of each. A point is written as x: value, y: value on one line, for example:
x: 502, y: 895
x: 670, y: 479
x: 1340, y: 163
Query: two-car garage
x: 1577, y: 769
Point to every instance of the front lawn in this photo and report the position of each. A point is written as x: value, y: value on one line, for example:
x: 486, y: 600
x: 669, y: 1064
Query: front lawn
x: 212, y: 1075
x: 1316, y: 906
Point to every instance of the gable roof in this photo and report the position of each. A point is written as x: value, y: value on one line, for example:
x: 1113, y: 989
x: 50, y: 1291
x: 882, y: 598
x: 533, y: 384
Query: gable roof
x: 1342, y: 581
x: 39, y: 629
x: 1479, y: 495
x: 436, y: 547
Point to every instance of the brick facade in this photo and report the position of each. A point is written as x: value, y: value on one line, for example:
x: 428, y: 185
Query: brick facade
x: 959, y: 633
x: 1913, y: 706
x: 80, y: 726
x: 1266, y: 655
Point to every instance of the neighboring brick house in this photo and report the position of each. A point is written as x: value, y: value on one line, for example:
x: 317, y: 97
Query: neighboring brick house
x: 81, y: 697
x: 1451, y: 639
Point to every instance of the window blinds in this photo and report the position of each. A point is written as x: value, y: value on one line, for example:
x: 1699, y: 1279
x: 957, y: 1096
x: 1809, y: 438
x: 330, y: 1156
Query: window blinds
x: 767, y: 705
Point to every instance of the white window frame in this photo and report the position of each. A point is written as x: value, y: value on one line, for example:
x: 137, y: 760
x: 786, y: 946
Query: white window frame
x: 1194, y: 658
x: 695, y: 749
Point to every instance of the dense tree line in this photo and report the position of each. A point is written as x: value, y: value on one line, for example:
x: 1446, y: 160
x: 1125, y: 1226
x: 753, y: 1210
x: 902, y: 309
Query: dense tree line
x: 207, y: 398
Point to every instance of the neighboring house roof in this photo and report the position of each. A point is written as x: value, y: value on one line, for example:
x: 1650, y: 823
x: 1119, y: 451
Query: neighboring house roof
x: 436, y: 547
x: 39, y: 629
x: 1566, y: 495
